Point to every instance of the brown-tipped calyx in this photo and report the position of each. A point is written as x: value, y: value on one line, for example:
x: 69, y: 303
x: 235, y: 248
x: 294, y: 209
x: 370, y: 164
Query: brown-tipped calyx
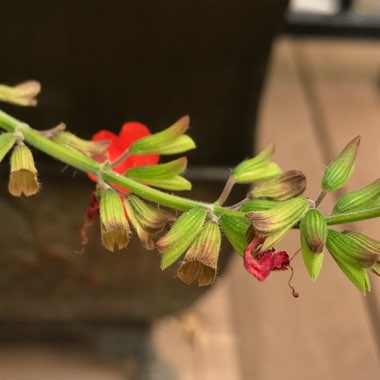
x: 113, y: 222
x: 201, y: 259
x: 23, y: 177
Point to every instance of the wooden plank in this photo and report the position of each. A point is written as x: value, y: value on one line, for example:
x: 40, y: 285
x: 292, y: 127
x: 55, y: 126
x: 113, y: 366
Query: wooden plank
x: 346, y: 77
x: 200, y: 343
x: 326, y: 332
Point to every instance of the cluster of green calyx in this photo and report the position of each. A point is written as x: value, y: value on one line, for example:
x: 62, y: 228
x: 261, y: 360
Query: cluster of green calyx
x: 189, y: 232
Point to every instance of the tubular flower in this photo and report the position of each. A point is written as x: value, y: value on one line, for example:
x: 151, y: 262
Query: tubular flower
x: 130, y: 132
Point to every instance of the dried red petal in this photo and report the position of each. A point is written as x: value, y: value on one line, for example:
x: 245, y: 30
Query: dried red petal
x: 261, y: 264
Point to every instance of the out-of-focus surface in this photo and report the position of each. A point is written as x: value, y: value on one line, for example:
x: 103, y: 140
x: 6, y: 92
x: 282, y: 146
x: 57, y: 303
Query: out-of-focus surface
x: 318, y: 96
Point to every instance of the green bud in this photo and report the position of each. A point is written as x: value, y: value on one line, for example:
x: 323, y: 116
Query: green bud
x: 235, y: 229
x: 288, y: 185
x: 22, y: 94
x: 151, y: 217
x: 169, y: 141
x: 363, y: 199
x: 181, y: 235
x: 201, y: 259
x: 313, y: 231
x: 147, y: 220
x: 113, y: 222
x: 259, y: 205
x: 23, y: 178
x: 343, y: 249
x: 275, y: 223
x: 164, y: 176
x: 182, y: 144
x: 339, y: 171
x: 86, y: 147
x: 257, y: 168
x: 354, y: 247
x: 369, y: 246
x: 7, y: 140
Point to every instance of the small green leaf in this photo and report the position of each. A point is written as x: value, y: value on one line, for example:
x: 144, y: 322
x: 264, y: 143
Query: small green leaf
x: 339, y: 171
x: 7, y: 140
x: 181, y: 235
x: 235, y: 229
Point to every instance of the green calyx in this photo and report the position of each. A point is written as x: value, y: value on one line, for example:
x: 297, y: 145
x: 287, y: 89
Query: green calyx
x: 169, y: 141
x: 181, y: 235
x: 339, y: 171
x: 364, y: 199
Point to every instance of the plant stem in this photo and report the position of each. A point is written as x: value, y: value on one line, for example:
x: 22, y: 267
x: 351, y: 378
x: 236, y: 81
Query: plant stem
x: 320, y: 198
x: 226, y: 191
x: 88, y: 165
x: 351, y: 217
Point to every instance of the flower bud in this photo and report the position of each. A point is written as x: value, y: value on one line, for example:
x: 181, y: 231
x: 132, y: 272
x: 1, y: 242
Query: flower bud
x: 86, y: 147
x: 370, y: 247
x: 113, y: 222
x: 257, y: 168
x: 151, y: 217
x: 201, y: 259
x: 288, y: 185
x: 22, y: 94
x: 339, y: 171
x: 363, y: 199
x: 164, y: 176
x: 146, y: 219
x: 259, y: 205
x: 181, y: 235
x: 23, y: 178
x: 275, y: 223
x: 169, y: 141
x: 356, y: 248
x: 314, y: 229
x: 7, y: 140
x: 344, y: 250
x: 313, y: 232
x: 235, y: 229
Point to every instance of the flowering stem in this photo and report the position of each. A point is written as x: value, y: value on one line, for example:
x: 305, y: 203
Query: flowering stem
x: 226, y: 191
x: 120, y: 159
x: 320, y: 198
x: 351, y: 217
x: 88, y: 165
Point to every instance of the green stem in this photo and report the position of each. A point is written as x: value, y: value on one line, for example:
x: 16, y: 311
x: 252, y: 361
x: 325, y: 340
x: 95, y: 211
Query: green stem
x: 351, y: 217
x: 87, y: 165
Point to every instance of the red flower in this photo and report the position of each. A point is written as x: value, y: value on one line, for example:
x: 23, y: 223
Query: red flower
x: 130, y: 132
x: 261, y: 264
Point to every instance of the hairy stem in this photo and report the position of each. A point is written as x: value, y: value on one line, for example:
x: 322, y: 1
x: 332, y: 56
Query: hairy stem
x: 88, y: 165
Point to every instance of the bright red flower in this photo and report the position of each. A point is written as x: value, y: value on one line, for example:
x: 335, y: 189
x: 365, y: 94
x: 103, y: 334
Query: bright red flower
x: 130, y: 132
x: 261, y: 264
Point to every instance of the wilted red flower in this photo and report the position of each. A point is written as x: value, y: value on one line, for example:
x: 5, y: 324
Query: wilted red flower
x: 261, y: 264
x: 130, y: 132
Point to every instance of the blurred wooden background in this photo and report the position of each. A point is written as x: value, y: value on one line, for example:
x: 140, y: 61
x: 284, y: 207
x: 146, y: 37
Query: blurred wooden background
x: 319, y: 94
